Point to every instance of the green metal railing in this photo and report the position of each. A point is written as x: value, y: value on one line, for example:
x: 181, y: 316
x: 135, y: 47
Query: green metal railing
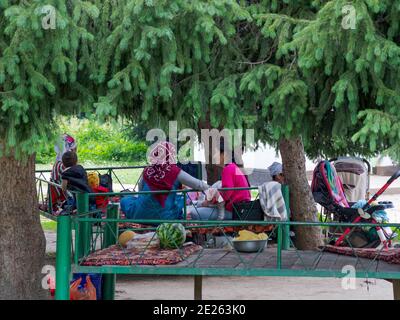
x: 43, y: 185
x: 93, y: 233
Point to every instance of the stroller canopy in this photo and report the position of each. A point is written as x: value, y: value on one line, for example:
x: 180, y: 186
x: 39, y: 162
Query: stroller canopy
x: 327, y: 187
x: 354, y: 175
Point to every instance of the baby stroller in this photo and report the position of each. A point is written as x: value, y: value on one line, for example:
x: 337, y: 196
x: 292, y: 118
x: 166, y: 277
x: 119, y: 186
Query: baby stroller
x: 355, y: 176
x: 328, y: 191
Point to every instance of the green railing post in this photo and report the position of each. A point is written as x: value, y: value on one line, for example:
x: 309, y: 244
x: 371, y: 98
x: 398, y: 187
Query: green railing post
x: 110, y: 238
x: 63, y: 257
x: 286, y: 228
x: 83, y: 233
x: 279, y: 249
x: 184, y: 205
x: 50, y: 200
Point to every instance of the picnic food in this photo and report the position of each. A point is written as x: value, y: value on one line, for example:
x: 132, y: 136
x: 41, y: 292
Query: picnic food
x: 171, y: 235
x: 245, y: 235
x: 125, y: 237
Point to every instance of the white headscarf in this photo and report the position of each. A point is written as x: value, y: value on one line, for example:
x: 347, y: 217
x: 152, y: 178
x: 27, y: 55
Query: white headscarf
x: 275, y: 169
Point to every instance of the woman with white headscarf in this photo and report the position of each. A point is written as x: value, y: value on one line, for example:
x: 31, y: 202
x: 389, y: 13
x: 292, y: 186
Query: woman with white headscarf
x: 65, y: 144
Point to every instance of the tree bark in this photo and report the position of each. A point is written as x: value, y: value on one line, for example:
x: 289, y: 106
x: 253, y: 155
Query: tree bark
x: 22, y: 241
x: 214, y: 171
x: 302, y: 203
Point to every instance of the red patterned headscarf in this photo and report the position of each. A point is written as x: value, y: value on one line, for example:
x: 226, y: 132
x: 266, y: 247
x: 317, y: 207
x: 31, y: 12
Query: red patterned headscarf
x: 163, y: 171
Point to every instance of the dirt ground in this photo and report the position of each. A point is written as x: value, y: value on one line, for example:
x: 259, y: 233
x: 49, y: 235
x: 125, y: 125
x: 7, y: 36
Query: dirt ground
x: 250, y: 288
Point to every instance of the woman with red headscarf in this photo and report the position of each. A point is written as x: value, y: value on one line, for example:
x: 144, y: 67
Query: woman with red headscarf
x: 161, y: 175
x: 65, y: 144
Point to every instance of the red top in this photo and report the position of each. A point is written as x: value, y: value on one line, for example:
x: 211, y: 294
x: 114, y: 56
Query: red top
x: 233, y: 177
x: 101, y: 201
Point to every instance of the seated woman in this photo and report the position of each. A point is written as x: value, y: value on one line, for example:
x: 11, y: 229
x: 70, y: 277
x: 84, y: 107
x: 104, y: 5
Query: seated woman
x: 231, y: 177
x: 161, y: 174
x: 66, y: 144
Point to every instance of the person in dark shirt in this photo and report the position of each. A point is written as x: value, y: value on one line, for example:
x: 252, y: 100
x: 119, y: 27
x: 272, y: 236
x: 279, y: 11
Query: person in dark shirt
x: 74, y: 177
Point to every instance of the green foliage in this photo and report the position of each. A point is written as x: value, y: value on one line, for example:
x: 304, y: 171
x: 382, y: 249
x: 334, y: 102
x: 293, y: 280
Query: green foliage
x: 284, y: 68
x: 39, y: 73
x: 97, y: 143
x: 348, y: 71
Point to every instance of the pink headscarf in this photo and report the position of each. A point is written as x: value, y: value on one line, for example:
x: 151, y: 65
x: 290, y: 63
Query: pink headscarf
x: 67, y: 143
x: 163, y: 171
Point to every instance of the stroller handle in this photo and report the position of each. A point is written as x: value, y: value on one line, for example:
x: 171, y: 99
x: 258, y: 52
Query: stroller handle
x: 394, y: 176
x: 383, y: 189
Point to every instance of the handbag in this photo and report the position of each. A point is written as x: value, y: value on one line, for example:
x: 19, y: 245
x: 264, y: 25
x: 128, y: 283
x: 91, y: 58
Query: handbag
x: 106, y: 181
x: 248, y: 210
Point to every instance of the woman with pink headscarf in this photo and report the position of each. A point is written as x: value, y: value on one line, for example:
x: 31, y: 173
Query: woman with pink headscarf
x: 161, y: 175
x: 65, y: 144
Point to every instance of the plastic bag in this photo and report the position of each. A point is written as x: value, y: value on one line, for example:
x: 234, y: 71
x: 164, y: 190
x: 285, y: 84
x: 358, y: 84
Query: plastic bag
x: 88, y: 292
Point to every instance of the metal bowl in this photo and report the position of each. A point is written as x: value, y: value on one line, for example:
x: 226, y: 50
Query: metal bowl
x: 249, y: 245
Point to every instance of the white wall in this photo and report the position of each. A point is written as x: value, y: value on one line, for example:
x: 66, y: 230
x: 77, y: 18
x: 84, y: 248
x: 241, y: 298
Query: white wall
x: 260, y: 159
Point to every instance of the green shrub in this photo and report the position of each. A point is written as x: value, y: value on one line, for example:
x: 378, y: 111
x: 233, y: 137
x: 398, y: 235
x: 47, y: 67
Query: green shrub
x: 46, y: 153
x: 96, y: 143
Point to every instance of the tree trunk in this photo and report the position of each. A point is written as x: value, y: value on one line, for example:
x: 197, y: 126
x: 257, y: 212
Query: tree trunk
x: 22, y: 241
x: 302, y: 203
x: 214, y: 171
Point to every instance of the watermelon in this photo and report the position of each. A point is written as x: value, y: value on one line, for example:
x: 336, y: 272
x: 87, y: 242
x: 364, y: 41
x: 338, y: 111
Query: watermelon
x: 171, y: 235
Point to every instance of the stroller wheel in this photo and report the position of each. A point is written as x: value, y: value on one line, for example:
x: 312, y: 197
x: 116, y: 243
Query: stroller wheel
x: 332, y: 242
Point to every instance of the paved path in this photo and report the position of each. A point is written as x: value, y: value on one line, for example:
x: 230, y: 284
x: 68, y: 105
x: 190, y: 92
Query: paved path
x: 51, y: 241
x: 250, y: 288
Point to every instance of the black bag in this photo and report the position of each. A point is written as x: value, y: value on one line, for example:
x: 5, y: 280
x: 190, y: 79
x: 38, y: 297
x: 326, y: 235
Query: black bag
x: 249, y: 210
x: 194, y: 169
x: 106, y: 181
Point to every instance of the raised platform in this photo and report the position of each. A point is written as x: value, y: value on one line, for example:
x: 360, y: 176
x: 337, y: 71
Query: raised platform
x: 293, y: 263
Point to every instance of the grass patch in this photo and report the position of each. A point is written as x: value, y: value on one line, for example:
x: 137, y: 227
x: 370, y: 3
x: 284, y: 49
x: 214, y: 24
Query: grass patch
x: 48, y: 225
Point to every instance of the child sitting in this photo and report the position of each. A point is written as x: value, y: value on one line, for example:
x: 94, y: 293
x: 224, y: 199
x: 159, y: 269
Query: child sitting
x: 94, y: 183
x: 74, y: 178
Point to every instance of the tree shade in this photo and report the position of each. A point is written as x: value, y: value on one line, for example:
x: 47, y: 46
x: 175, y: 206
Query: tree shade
x: 288, y: 69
